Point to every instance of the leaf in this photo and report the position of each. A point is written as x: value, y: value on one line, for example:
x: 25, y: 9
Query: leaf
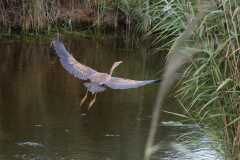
x: 235, y: 11
x: 235, y: 120
x: 223, y: 84
x: 180, y: 115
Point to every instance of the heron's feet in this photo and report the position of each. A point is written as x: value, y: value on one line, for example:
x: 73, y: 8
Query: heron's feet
x: 83, y: 99
x: 92, y: 101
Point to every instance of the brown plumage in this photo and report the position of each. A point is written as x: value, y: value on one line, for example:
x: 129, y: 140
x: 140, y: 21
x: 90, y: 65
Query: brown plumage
x: 97, y: 80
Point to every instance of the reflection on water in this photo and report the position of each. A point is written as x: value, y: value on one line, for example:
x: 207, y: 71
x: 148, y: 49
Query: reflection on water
x: 38, y: 101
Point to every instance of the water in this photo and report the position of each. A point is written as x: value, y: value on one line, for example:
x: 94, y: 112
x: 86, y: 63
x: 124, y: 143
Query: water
x: 39, y: 118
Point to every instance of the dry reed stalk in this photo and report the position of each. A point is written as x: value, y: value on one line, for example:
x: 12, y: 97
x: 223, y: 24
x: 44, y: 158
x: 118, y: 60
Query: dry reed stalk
x: 177, y: 58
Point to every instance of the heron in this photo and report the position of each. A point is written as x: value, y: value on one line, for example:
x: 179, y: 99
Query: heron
x: 98, y: 80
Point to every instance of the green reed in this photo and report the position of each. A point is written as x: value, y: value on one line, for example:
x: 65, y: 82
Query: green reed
x: 209, y: 90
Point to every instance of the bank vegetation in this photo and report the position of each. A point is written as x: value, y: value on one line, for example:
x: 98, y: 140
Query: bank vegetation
x: 45, y: 15
x: 209, y: 91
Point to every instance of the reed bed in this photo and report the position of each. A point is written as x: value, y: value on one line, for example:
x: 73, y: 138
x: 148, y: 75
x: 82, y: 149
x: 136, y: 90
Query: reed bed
x: 209, y: 90
x: 43, y: 15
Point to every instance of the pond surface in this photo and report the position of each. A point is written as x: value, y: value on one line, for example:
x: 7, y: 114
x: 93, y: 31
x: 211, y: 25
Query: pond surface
x: 39, y: 114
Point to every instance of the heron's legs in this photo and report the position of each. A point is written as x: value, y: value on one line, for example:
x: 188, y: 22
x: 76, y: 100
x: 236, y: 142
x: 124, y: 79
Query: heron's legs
x: 83, y: 99
x: 92, y: 101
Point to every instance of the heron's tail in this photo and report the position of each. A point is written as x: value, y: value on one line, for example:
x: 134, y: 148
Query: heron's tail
x: 158, y: 80
x: 92, y: 87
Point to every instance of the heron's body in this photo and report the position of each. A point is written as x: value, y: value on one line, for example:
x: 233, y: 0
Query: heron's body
x: 98, y: 80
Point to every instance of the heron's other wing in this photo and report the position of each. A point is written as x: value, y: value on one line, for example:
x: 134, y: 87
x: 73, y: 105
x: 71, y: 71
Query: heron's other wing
x: 70, y: 64
x: 122, y: 83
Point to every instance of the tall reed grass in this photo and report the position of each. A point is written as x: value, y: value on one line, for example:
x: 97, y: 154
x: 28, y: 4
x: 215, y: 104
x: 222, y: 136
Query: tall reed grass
x: 42, y: 15
x: 210, y: 91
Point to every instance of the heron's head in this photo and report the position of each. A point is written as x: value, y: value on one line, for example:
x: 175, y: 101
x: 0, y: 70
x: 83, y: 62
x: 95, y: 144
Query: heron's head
x: 117, y: 63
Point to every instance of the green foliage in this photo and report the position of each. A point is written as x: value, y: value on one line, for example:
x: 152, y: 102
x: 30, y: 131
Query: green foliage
x: 177, y: 58
x: 210, y: 87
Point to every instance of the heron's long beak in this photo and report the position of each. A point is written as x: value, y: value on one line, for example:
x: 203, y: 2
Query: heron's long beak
x: 119, y: 63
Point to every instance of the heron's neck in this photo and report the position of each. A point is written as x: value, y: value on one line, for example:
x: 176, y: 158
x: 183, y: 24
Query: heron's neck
x: 111, y: 71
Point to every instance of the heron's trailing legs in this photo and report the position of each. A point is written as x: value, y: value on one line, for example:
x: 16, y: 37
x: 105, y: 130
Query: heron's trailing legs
x: 83, y: 99
x: 92, y: 101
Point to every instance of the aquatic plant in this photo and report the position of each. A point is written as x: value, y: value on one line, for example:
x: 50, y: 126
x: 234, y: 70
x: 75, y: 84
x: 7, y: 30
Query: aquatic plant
x: 209, y: 90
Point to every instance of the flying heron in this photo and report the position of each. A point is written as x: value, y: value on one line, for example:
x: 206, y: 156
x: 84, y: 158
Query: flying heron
x: 97, y: 80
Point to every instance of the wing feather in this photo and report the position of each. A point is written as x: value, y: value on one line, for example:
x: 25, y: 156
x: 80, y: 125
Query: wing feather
x: 70, y: 64
x: 122, y: 83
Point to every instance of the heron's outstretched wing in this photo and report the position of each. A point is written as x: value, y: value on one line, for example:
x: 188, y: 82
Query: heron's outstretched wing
x: 121, y: 83
x: 70, y: 64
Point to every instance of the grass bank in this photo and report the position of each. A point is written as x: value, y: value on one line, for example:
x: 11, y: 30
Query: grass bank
x: 43, y: 15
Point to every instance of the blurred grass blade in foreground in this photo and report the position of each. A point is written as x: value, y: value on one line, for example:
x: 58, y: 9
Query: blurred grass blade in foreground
x: 177, y: 58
